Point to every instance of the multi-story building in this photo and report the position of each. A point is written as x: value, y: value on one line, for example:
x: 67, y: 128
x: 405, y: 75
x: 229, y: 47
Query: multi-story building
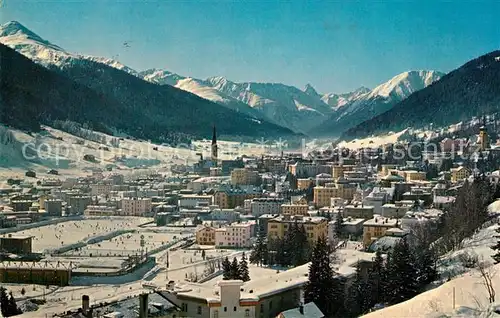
x: 190, y: 201
x: 339, y: 169
x: 315, y: 227
x: 303, y: 184
x: 376, y: 228
x: 323, y: 194
x: 377, y: 198
x: 294, y: 209
x: 413, y: 175
x: 260, y: 206
x: 235, y: 235
x: 243, y: 176
x: 229, y: 198
x: 101, y: 188
x: 395, y: 210
x: 136, y: 206
x: 359, y: 211
x: 459, y: 174
x: 303, y: 169
x: 78, y: 203
x: 53, y: 207
x: 205, y: 235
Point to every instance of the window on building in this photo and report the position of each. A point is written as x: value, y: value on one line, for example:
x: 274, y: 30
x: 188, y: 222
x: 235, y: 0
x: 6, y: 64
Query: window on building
x: 199, y: 310
x: 270, y: 305
x: 216, y: 314
x: 225, y: 308
x: 247, y: 312
x: 261, y: 308
x: 234, y: 308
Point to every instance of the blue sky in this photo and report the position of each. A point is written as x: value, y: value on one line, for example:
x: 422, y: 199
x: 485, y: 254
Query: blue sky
x: 335, y: 46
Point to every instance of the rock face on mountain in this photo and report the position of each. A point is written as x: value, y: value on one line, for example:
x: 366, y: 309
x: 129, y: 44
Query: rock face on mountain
x: 369, y: 104
x: 471, y: 90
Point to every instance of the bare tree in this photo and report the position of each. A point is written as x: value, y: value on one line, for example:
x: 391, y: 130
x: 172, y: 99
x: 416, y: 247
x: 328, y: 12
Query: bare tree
x: 487, y: 274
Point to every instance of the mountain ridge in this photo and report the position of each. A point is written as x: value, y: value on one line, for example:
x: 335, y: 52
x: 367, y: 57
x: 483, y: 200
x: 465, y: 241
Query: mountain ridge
x: 382, y: 98
x: 471, y: 90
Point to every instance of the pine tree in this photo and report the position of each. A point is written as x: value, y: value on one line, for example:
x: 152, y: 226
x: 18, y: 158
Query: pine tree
x: 425, y: 259
x: 376, y: 279
x: 234, y: 272
x: 243, y: 269
x: 338, y: 224
x: 300, y: 246
x: 226, y: 269
x: 402, y: 273
x: 357, y: 301
x: 322, y: 287
x: 4, y: 302
x: 259, y: 251
x: 13, y: 309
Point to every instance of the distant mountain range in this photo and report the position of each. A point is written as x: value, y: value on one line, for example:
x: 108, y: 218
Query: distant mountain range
x: 369, y: 104
x: 471, y: 90
x: 303, y: 111
x: 105, y: 94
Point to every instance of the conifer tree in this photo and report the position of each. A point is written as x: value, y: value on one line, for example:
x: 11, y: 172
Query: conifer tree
x: 259, y: 252
x: 376, y: 279
x: 358, y: 300
x: 4, y: 302
x: 322, y: 287
x: 300, y: 246
x: 338, y: 224
x: 13, y: 309
x: 243, y: 269
x: 402, y: 272
x: 234, y: 272
x: 226, y: 269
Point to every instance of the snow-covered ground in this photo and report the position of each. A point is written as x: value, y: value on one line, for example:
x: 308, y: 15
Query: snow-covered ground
x: 466, y: 288
x: 55, y: 149
x: 70, y: 232
x: 372, y: 142
x: 129, y: 243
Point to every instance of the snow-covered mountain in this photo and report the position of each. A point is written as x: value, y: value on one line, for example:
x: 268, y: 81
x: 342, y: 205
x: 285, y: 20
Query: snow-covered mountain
x: 288, y: 106
x: 364, y: 106
x: 16, y: 36
x: 338, y: 100
x: 282, y: 104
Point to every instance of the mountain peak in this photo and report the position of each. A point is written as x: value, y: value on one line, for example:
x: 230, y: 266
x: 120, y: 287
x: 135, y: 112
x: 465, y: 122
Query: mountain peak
x: 310, y: 90
x: 404, y: 84
x: 15, y: 32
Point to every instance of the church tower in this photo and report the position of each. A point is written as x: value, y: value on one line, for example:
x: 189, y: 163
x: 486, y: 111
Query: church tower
x: 214, y: 148
x: 483, y: 139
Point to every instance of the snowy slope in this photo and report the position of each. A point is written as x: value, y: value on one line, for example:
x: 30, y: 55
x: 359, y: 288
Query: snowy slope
x: 369, y: 104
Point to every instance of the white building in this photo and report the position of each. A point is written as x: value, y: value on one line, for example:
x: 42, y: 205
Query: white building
x: 234, y: 235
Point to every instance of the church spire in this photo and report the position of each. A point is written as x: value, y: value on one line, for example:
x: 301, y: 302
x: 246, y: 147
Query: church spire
x: 214, y: 137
